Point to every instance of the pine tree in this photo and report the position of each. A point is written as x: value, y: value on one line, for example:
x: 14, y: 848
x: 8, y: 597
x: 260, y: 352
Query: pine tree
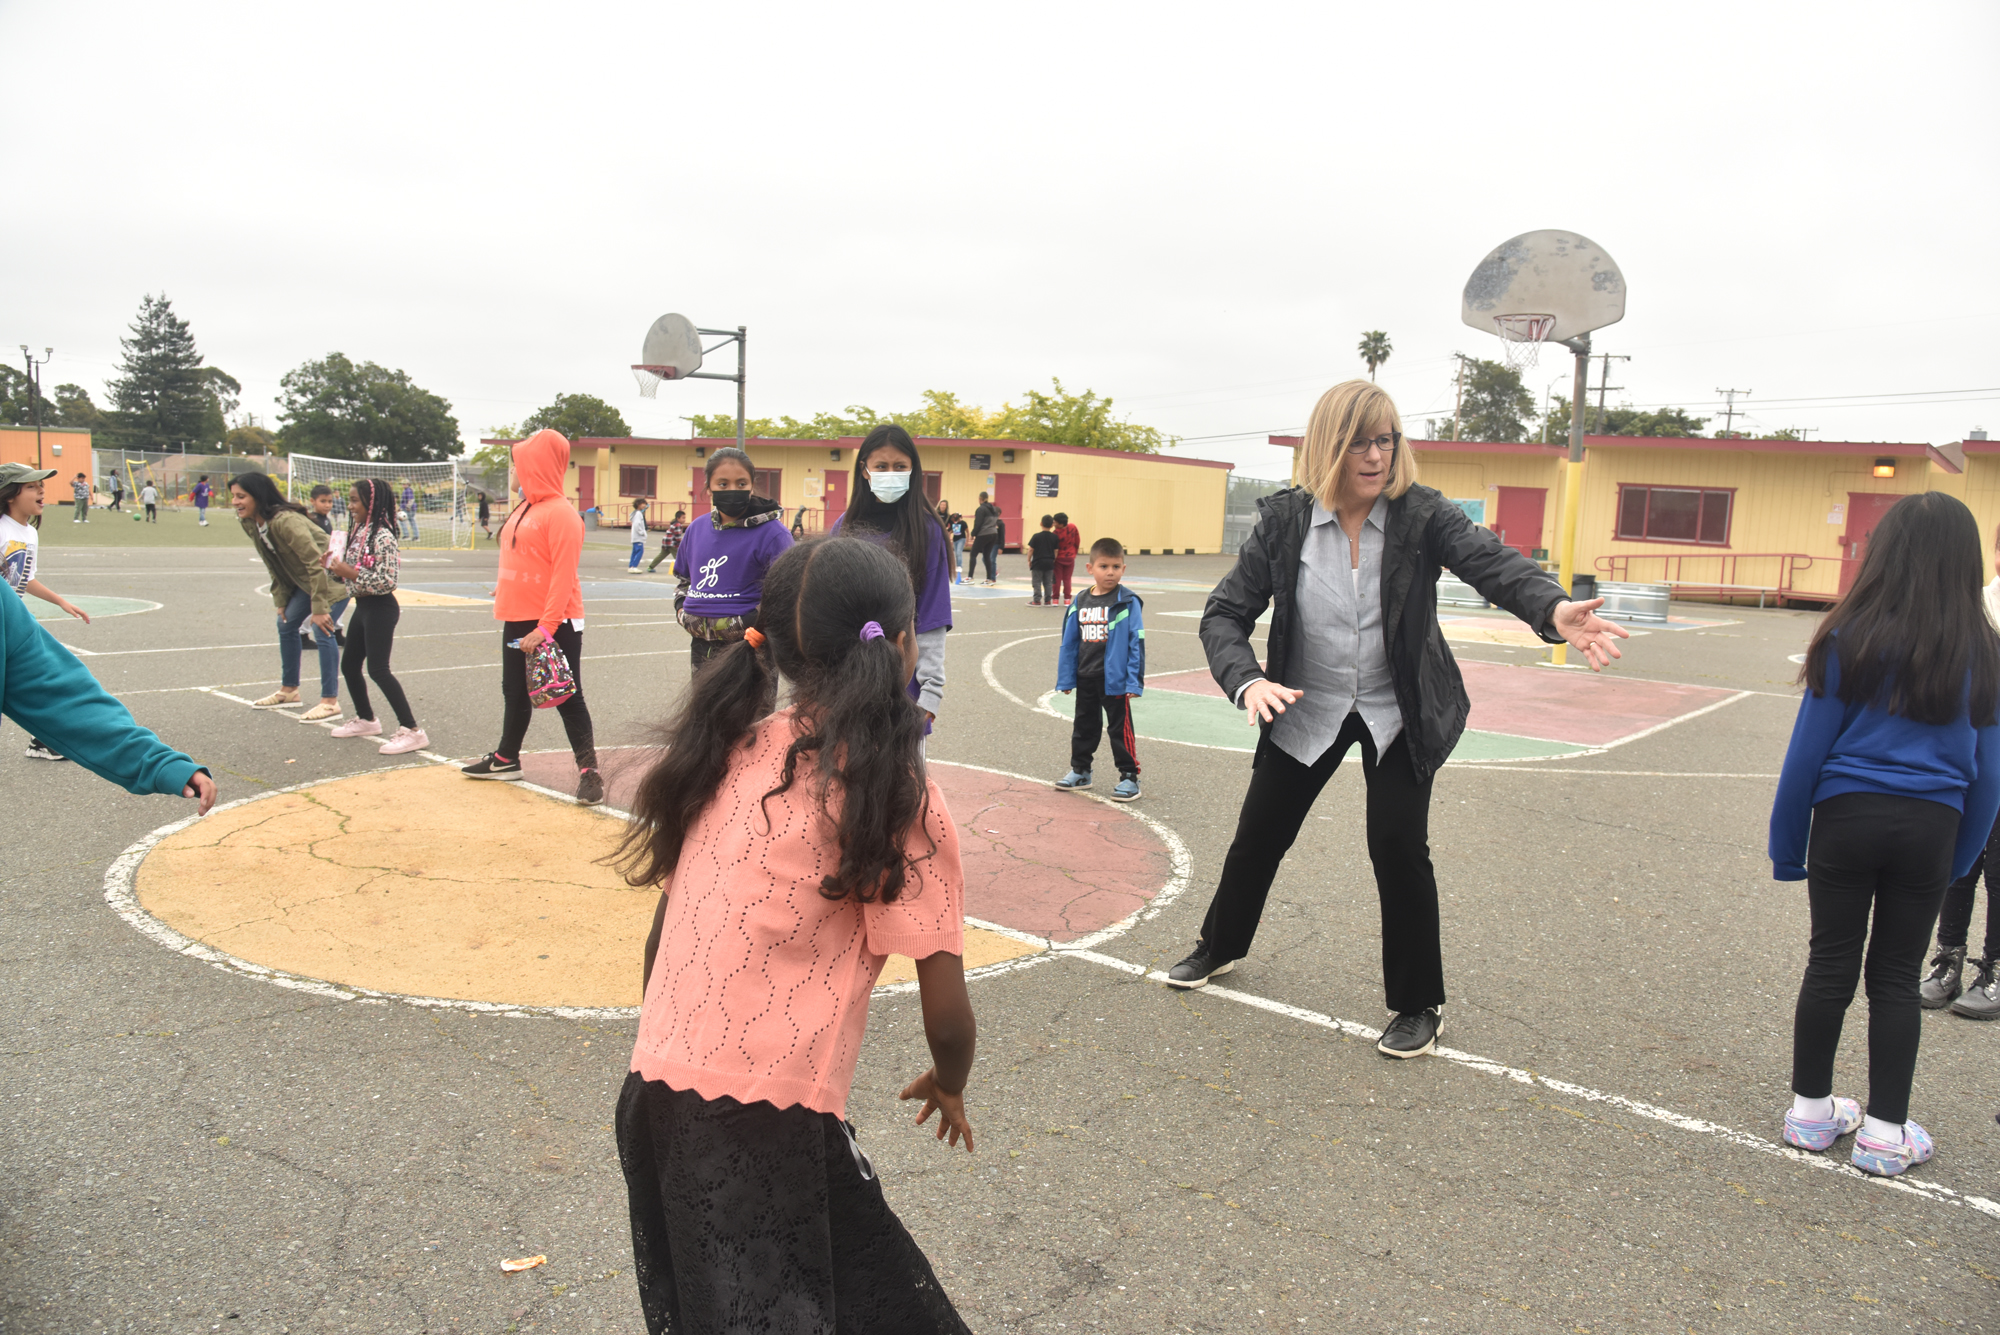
x: 163, y: 394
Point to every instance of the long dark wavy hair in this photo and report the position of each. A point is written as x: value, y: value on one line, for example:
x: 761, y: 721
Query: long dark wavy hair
x: 7, y: 495
x: 270, y: 501
x: 378, y: 502
x: 854, y: 725
x: 911, y: 523
x: 1913, y: 633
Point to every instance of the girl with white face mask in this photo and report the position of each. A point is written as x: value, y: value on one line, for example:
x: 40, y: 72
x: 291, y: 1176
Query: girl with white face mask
x: 890, y: 508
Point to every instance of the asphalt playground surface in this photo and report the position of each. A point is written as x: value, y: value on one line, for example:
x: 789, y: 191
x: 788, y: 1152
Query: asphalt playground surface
x: 192, y: 1146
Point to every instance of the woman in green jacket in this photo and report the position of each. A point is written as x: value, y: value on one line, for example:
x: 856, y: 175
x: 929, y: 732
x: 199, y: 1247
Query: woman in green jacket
x: 294, y: 551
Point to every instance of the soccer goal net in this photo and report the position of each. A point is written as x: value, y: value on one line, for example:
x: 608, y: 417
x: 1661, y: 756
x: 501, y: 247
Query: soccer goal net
x: 431, y: 499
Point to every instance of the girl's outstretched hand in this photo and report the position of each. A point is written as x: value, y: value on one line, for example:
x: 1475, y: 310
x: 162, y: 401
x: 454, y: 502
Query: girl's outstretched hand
x: 949, y: 1107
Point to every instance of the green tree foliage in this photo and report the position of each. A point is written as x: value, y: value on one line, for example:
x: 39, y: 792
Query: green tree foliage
x: 1496, y: 406
x: 578, y: 415
x: 1374, y: 349
x: 73, y: 402
x: 1624, y: 420
x: 344, y: 409
x: 163, y: 394
x: 251, y: 439
x: 17, y: 401
x: 224, y: 395
x: 1057, y: 418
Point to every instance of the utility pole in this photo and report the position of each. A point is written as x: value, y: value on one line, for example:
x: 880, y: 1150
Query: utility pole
x: 1604, y: 373
x: 35, y: 392
x: 1572, y: 477
x: 1458, y: 398
x: 1729, y: 408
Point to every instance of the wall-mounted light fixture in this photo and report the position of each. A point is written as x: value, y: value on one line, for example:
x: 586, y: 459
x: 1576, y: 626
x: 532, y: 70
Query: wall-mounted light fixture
x: 1885, y: 468
x: 1006, y: 456
x: 700, y: 453
x: 833, y: 455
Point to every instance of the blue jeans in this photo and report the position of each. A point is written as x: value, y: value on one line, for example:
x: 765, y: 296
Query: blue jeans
x: 638, y: 553
x: 957, y: 555
x: 298, y: 610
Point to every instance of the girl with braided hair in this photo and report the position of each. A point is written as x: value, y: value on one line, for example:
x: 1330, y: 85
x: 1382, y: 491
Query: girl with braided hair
x: 369, y: 565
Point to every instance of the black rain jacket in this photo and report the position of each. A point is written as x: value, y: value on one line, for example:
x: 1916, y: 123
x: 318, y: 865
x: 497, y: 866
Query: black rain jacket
x: 1426, y: 534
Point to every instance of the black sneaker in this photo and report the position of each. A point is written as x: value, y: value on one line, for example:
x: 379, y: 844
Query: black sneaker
x: 1412, y: 1034
x: 1198, y: 968
x: 40, y: 751
x: 1944, y: 982
x: 589, y: 788
x: 490, y: 766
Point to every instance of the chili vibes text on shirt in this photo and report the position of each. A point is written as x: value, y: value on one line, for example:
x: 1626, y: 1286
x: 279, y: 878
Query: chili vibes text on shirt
x: 1093, y: 623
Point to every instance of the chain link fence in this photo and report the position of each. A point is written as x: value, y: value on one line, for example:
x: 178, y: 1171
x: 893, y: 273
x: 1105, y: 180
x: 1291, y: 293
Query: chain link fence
x: 1239, y: 508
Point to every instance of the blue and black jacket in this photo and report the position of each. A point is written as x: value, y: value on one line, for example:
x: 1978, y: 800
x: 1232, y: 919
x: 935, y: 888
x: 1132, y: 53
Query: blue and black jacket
x: 1124, y: 647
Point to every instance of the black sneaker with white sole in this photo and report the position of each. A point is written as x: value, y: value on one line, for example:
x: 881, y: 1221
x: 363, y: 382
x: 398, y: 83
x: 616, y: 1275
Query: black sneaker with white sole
x: 1198, y: 968
x: 589, y: 788
x: 490, y: 766
x: 1411, y: 1034
x: 38, y: 750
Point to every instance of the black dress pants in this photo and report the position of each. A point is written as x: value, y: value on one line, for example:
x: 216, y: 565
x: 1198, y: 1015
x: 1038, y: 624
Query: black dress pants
x: 1870, y: 853
x: 1955, y: 918
x: 1282, y: 792
x: 521, y: 709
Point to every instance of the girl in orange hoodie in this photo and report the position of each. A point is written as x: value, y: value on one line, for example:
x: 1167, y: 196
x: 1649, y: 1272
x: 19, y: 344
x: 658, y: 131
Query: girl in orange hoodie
x: 537, y: 598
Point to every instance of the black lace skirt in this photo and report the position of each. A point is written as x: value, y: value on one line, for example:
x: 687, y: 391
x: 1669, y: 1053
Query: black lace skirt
x: 747, y: 1220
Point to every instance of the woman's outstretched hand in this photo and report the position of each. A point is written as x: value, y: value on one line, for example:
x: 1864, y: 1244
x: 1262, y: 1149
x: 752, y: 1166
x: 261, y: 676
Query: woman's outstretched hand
x: 1264, y: 700
x: 1579, y: 624
x: 949, y: 1107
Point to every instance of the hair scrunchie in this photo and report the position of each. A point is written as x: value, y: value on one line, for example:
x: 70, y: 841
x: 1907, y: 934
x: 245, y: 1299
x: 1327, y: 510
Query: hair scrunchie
x: 871, y: 630
x: 754, y: 638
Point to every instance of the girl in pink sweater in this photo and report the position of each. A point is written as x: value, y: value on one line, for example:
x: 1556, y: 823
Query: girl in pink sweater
x: 796, y: 852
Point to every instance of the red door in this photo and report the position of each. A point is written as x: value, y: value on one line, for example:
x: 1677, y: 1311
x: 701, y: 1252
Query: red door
x: 586, y: 487
x: 1007, y: 495
x: 699, y: 493
x: 1518, y: 517
x: 836, y: 498
x: 1864, y: 511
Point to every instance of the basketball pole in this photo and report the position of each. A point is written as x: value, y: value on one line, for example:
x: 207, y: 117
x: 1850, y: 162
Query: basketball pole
x: 1573, y: 477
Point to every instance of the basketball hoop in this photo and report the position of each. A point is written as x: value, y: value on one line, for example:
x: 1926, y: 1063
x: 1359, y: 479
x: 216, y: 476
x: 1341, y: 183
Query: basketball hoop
x: 649, y: 378
x: 1521, y: 337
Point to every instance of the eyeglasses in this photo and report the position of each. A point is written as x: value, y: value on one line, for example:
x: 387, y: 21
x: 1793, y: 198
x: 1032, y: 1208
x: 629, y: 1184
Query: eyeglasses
x: 1387, y: 444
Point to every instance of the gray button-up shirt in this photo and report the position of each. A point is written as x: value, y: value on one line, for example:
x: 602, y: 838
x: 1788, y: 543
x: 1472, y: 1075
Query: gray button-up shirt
x: 1338, y: 655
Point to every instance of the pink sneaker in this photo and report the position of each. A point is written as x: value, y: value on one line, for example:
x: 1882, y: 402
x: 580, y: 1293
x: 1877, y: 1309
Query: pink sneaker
x: 359, y: 727
x: 405, y: 740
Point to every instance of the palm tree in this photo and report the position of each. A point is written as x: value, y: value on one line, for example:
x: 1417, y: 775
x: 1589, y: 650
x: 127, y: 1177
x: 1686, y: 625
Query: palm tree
x: 1374, y: 350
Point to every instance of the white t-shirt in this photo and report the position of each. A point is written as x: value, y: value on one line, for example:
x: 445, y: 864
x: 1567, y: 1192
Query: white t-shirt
x: 19, y: 546
x: 147, y: 495
x: 638, y: 524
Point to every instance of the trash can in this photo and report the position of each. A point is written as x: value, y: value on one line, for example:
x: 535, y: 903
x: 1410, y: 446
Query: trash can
x: 1582, y: 588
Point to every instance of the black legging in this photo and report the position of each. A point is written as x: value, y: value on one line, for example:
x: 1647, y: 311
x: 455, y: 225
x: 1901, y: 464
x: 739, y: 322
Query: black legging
x: 521, y: 710
x: 1870, y: 852
x: 1282, y: 792
x: 987, y: 547
x: 1955, y: 918
x: 370, y: 632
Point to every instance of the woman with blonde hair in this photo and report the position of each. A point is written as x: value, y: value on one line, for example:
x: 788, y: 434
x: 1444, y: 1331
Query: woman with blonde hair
x: 1348, y: 561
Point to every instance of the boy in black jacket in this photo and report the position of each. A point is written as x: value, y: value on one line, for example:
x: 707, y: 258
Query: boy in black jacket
x: 1042, y: 563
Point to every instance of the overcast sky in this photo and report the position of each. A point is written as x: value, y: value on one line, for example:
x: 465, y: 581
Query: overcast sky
x: 1196, y: 210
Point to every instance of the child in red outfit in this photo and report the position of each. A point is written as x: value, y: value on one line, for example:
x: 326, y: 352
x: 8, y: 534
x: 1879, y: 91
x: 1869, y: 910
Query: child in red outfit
x: 1069, y: 541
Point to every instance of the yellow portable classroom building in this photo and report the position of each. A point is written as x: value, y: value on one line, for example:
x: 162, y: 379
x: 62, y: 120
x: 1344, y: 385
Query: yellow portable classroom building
x: 1772, y: 520
x: 1151, y: 503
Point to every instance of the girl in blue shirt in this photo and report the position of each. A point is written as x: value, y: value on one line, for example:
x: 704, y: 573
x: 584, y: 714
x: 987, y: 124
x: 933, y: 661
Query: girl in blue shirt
x: 1888, y: 791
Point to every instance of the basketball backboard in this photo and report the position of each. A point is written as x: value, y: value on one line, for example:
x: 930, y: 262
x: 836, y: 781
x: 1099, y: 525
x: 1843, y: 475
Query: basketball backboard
x: 1545, y: 285
x: 672, y: 351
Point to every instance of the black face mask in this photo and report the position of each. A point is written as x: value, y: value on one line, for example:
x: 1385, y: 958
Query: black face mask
x: 735, y: 504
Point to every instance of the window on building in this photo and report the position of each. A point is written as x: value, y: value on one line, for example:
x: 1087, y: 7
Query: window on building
x: 638, y: 480
x: 1675, y: 514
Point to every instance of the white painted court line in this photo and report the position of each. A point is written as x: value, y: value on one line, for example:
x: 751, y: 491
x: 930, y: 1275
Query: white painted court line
x: 400, y: 637
x: 1487, y: 1066
x: 1629, y: 773
x: 218, y: 690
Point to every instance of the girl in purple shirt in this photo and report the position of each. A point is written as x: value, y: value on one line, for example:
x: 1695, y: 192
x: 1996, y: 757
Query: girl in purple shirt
x: 890, y: 508
x: 723, y: 557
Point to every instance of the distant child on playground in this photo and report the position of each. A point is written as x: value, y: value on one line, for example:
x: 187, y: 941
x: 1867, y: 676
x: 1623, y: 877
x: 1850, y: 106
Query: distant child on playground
x: 795, y: 852
x: 149, y: 496
x: 670, y: 539
x: 321, y: 509
x: 638, y: 535
x: 1042, y: 564
x: 1103, y: 660
x: 721, y: 562
x: 1888, y: 793
x: 1069, y: 540
x: 21, y: 490
x: 202, y: 493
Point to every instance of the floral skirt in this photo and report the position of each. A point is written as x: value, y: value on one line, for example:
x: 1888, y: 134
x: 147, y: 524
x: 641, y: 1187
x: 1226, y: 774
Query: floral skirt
x: 748, y: 1218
